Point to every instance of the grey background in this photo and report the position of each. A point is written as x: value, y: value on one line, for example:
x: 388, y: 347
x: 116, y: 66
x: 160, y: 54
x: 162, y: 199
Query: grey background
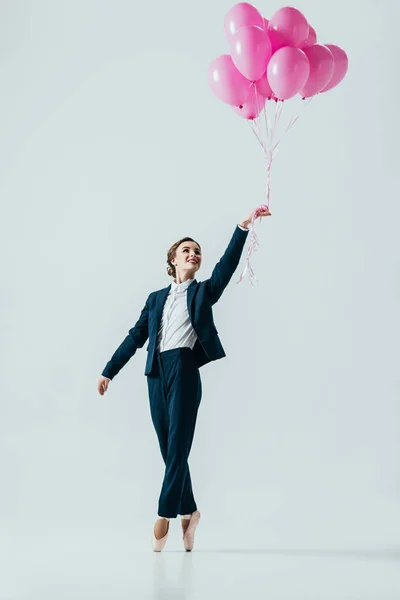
x: 112, y: 147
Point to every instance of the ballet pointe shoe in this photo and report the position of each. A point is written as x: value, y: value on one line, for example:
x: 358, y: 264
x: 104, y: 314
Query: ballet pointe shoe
x: 188, y: 536
x: 158, y: 544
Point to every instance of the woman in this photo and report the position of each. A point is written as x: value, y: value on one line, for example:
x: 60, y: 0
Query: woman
x: 178, y: 321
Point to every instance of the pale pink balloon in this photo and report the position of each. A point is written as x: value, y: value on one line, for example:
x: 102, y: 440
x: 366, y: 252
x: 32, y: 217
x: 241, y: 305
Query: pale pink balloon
x: 321, y: 69
x: 341, y: 64
x: 241, y: 15
x: 288, y: 27
x: 226, y: 82
x: 288, y: 71
x: 251, y: 51
x: 253, y: 106
x: 312, y: 38
x: 263, y: 87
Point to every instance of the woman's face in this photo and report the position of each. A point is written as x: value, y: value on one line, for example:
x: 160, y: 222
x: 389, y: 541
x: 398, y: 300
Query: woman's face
x: 187, y: 258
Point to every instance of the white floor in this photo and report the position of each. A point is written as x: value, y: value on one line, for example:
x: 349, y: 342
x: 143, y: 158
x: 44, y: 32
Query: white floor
x: 61, y: 565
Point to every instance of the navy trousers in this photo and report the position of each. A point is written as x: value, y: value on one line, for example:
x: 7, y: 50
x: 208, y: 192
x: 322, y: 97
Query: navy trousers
x: 175, y: 394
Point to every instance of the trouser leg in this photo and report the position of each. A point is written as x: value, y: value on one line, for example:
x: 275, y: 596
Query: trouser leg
x: 174, y: 399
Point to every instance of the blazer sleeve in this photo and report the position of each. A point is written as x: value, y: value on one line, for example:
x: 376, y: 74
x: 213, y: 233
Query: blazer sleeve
x: 225, y: 268
x: 135, y: 339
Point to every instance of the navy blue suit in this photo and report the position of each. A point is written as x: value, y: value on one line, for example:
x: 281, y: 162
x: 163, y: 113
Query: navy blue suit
x: 173, y: 376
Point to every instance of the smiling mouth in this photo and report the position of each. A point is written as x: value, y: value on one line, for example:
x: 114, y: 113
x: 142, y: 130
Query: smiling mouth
x: 193, y: 262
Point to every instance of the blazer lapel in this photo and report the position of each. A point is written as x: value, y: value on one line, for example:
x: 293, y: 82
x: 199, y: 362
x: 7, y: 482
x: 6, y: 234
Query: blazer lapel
x: 161, y: 298
x: 190, y: 295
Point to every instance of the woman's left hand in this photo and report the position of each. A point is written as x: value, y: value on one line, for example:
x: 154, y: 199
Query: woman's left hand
x: 264, y: 212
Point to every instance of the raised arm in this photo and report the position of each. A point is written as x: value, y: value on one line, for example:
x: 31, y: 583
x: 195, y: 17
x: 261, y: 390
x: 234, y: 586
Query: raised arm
x: 135, y: 339
x: 225, y: 268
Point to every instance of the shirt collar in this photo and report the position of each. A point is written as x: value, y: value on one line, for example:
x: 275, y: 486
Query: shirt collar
x: 181, y: 286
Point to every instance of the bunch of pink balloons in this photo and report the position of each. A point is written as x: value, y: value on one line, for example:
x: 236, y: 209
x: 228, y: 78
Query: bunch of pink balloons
x: 274, y: 59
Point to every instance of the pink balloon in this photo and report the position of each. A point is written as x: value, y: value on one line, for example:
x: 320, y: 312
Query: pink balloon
x: 288, y: 71
x: 251, y: 51
x: 321, y: 69
x: 226, y: 82
x: 252, y: 107
x: 263, y: 87
x: 241, y: 15
x: 265, y: 24
x: 341, y: 64
x: 312, y: 38
x: 288, y: 27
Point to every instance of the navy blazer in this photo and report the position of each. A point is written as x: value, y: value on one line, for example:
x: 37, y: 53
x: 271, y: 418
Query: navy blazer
x: 201, y: 295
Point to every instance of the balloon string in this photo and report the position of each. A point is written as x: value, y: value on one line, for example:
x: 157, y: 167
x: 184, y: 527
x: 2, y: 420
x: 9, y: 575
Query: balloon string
x: 269, y: 153
x: 269, y: 148
x: 296, y: 117
x: 269, y: 163
x: 256, y: 107
x: 267, y: 124
x: 250, y: 122
x: 252, y: 247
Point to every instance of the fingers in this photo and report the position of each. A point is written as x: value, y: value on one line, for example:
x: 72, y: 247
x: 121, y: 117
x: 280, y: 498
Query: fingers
x: 102, y: 386
x: 261, y: 212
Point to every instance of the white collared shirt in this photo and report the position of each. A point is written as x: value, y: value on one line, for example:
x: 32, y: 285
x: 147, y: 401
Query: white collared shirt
x: 176, y: 329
